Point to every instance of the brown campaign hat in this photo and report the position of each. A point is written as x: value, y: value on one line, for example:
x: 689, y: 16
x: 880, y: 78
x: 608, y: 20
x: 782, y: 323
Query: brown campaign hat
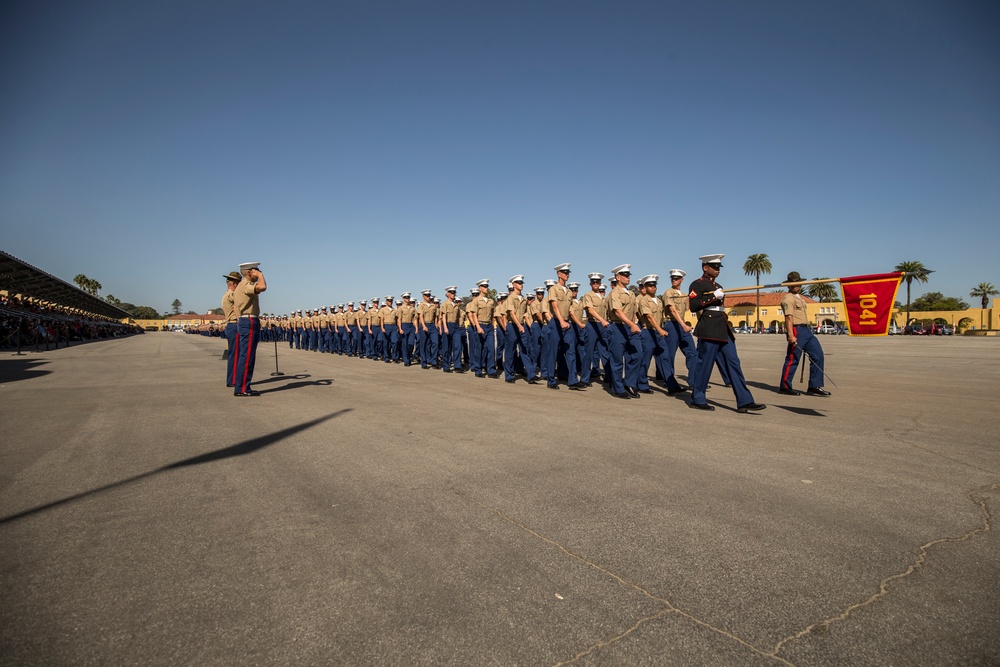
x: 793, y: 277
x: 234, y: 276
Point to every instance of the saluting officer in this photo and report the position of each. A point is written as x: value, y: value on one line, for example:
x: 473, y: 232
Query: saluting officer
x: 715, y: 339
x: 800, y: 339
x: 246, y: 302
x: 625, y: 344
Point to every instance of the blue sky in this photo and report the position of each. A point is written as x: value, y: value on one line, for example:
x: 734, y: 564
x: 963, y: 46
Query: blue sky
x: 366, y: 148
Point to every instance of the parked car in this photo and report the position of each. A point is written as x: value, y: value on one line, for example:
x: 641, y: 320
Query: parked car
x: 895, y: 329
x: 943, y: 330
x: 827, y: 329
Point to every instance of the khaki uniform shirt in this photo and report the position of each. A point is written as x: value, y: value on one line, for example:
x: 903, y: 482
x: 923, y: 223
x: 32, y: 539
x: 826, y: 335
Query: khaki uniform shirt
x: 650, y: 305
x: 405, y: 314
x: 678, y: 298
x: 351, y: 318
x: 228, y: 307
x: 451, y: 311
x: 363, y: 318
x: 483, y: 307
x: 324, y: 321
x: 576, y: 308
x: 593, y: 300
x: 623, y: 300
x: 795, y: 305
x: 245, y: 299
x: 560, y: 294
x: 430, y: 313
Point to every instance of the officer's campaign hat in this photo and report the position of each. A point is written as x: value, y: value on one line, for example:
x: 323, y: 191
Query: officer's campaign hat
x: 234, y: 276
x: 561, y: 267
x: 450, y: 288
x: 711, y: 259
x: 516, y: 279
x: 573, y: 285
x: 485, y: 282
x: 793, y: 277
x: 595, y: 276
x: 246, y: 266
x: 621, y: 268
x: 677, y: 273
x: 650, y: 279
x: 550, y: 283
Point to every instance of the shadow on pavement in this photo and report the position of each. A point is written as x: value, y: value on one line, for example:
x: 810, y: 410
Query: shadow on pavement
x: 301, y: 376
x: 297, y: 385
x: 12, y: 370
x: 808, y: 412
x: 239, y: 449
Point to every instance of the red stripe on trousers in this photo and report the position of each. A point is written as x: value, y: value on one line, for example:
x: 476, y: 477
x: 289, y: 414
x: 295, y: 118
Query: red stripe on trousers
x: 246, y: 367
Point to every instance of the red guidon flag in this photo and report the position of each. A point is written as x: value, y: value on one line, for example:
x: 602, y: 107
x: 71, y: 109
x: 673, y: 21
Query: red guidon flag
x: 869, y: 301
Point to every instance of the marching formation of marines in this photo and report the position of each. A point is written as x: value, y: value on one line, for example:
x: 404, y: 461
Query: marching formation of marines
x: 550, y: 335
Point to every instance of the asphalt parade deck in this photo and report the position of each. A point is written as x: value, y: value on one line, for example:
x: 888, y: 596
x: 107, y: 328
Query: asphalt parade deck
x: 360, y: 513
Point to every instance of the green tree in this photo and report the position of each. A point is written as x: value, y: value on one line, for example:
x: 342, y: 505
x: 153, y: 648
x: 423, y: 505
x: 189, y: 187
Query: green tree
x: 216, y: 311
x: 113, y: 301
x: 755, y: 266
x: 937, y: 301
x: 917, y: 271
x: 88, y: 285
x: 983, y: 292
x: 824, y: 292
x: 176, y: 306
x: 144, y: 313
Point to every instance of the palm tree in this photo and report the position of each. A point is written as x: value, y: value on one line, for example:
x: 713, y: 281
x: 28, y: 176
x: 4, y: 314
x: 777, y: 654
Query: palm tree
x: 821, y: 291
x: 755, y: 266
x: 984, y: 291
x: 914, y: 269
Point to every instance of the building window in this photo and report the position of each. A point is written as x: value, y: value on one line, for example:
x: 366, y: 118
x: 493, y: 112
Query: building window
x: 763, y: 312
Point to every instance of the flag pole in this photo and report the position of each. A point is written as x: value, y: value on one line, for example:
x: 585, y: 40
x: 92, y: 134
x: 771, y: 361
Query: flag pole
x: 751, y: 288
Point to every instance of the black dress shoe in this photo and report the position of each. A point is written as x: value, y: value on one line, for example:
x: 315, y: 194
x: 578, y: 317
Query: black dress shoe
x: 492, y: 376
x: 510, y: 381
x: 701, y: 406
x: 680, y: 390
x: 587, y: 384
x: 579, y: 386
x: 448, y: 370
x: 552, y: 386
x: 743, y: 409
x: 645, y: 391
x: 789, y: 391
x: 621, y: 395
x: 534, y: 380
x: 248, y: 393
x: 816, y: 391
x: 480, y: 375
x: 460, y: 370
x: 631, y: 391
x: 230, y: 385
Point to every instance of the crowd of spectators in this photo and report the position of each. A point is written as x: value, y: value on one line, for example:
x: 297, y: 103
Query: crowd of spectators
x: 25, y: 323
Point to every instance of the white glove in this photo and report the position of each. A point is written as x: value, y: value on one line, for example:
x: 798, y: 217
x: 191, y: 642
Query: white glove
x: 719, y: 293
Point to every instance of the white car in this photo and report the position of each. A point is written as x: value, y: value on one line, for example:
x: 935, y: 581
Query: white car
x: 827, y: 329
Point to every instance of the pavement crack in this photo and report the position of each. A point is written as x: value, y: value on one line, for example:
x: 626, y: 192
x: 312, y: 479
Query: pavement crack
x: 670, y: 608
x: 978, y: 496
